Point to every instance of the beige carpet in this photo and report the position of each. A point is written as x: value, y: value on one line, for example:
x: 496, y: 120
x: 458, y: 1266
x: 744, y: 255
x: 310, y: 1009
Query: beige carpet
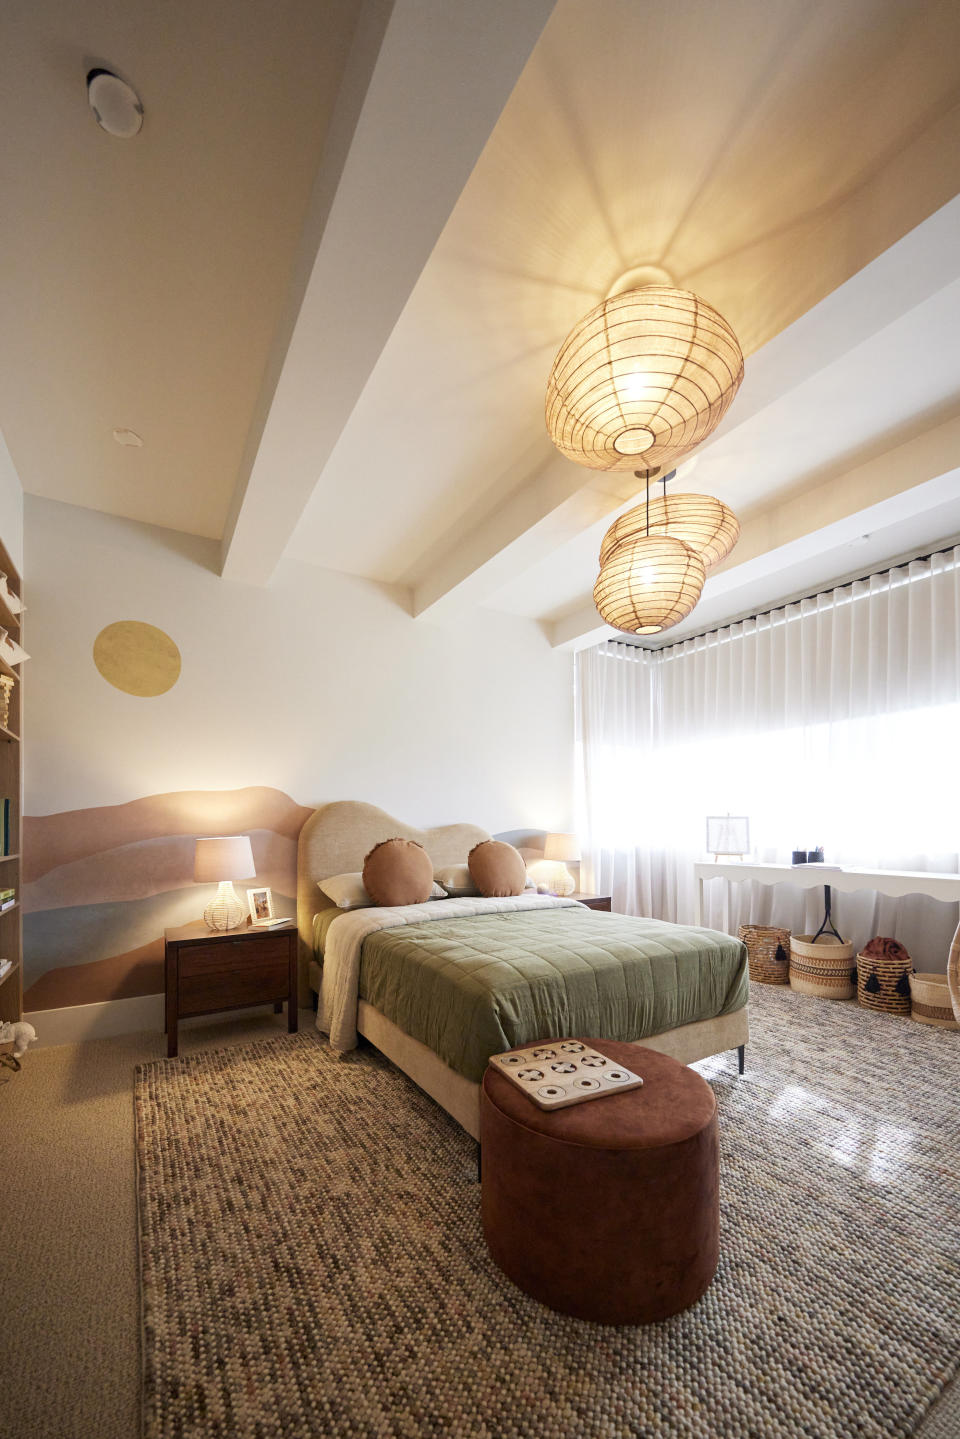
x: 70, y: 1361
x: 68, y: 1264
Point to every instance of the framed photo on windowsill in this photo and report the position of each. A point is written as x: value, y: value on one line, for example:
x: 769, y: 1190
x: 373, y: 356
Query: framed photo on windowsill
x: 261, y: 905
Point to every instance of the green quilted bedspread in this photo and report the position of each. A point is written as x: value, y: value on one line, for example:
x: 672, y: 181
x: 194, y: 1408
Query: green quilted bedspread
x: 474, y: 986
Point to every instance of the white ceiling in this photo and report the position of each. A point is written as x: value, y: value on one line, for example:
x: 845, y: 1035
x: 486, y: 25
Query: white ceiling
x: 327, y: 281
x: 142, y: 280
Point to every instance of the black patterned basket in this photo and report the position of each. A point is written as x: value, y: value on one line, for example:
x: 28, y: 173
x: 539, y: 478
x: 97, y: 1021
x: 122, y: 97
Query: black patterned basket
x: 822, y: 967
x: 768, y: 953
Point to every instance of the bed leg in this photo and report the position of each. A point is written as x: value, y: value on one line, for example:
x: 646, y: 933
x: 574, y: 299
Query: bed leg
x: 479, y: 1163
x: 741, y: 1057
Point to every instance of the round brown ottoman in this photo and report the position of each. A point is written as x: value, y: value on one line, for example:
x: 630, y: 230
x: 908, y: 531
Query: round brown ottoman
x: 607, y: 1210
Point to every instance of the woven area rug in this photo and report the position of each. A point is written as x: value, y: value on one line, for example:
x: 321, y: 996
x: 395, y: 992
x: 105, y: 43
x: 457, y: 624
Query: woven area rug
x: 312, y: 1260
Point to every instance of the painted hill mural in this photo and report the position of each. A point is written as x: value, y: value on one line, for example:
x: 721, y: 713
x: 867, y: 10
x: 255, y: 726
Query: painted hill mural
x: 102, y: 884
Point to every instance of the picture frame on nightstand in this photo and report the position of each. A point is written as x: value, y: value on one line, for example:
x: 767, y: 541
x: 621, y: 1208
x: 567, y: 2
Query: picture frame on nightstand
x: 260, y: 901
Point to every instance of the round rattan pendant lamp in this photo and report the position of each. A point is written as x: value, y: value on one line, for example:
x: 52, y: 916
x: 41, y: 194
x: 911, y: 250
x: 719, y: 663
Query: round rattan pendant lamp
x: 646, y: 376
x: 648, y: 584
x: 703, y: 522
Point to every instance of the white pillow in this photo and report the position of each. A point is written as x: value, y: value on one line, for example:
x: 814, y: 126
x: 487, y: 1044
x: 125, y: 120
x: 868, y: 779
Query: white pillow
x: 455, y: 879
x: 347, y: 890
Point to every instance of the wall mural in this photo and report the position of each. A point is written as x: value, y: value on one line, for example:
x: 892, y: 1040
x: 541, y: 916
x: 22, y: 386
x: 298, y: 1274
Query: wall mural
x: 102, y: 884
x: 137, y: 658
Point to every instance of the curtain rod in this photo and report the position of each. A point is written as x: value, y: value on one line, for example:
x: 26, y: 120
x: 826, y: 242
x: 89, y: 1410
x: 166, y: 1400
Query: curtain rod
x: 798, y: 600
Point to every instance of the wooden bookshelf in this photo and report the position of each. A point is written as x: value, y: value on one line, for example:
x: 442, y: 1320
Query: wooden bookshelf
x: 11, y: 786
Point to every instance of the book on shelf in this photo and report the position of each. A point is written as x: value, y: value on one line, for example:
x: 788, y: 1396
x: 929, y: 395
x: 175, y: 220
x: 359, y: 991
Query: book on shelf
x: 5, y: 835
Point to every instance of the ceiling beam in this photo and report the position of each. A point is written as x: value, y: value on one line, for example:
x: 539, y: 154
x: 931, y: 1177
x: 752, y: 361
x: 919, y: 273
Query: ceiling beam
x: 559, y: 500
x: 904, y: 499
x: 425, y: 85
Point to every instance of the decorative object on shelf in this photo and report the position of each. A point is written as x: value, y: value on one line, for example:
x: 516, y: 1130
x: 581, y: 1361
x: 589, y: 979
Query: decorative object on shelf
x: 768, y: 953
x: 700, y: 521
x: 221, y: 860
x: 12, y: 601
x: 260, y: 903
x: 11, y: 650
x: 883, y: 976
x: 930, y: 1001
x: 559, y: 850
x: 728, y: 836
x: 953, y: 973
x: 823, y: 966
x: 650, y: 371
x: 6, y: 690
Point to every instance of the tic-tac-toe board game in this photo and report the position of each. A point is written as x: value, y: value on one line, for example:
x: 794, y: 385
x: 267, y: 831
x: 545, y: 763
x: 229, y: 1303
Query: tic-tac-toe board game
x: 568, y: 1072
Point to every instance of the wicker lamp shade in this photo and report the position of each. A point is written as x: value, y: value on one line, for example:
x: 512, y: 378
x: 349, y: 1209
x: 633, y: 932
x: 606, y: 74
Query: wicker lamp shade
x: 648, y: 584
x: 702, y: 522
x: 648, y: 373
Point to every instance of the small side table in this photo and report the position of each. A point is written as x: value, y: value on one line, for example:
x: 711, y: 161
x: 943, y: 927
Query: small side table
x: 593, y: 901
x: 208, y: 971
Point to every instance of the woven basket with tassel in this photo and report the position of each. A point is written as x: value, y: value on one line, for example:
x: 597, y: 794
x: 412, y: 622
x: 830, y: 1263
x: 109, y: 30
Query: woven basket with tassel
x: 768, y: 953
x: 883, y: 977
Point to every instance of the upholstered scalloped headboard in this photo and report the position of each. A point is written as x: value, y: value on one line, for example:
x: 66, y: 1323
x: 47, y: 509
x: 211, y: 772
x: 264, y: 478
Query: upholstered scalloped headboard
x: 337, y: 838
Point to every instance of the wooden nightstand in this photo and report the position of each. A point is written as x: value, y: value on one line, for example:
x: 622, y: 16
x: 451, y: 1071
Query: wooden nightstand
x: 593, y: 901
x: 207, y: 972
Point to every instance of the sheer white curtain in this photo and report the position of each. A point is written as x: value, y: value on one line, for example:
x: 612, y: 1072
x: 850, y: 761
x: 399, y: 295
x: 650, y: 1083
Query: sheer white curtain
x: 834, y: 721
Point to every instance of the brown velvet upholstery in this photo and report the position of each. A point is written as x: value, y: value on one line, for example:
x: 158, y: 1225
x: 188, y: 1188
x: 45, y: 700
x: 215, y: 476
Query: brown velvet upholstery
x: 497, y: 869
x: 607, y: 1210
x: 398, y: 871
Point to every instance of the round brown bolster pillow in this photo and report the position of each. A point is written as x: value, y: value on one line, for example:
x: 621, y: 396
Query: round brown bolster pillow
x: 497, y: 869
x: 398, y: 871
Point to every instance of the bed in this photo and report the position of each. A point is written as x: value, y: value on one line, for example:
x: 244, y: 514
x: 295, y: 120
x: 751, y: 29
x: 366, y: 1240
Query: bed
x: 438, y: 987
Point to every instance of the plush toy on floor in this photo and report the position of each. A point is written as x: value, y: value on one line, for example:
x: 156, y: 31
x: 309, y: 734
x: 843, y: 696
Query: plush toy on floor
x: 21, y: 1034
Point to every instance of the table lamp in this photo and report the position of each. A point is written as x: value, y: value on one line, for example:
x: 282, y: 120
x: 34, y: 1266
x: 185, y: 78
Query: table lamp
x: 220, y: 861
x: 558, y: 851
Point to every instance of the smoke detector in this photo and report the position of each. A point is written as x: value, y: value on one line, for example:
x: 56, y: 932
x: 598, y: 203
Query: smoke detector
x: 115, y: 104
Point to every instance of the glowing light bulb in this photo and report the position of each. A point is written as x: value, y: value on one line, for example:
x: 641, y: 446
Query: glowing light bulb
x: 635, y: 387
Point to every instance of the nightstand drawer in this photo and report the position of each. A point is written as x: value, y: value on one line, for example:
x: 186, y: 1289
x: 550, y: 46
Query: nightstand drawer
x: 258, y: 983
x: 224, y: 956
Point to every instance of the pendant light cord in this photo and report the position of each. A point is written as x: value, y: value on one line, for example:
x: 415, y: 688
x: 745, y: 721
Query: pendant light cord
x: 648, y: 477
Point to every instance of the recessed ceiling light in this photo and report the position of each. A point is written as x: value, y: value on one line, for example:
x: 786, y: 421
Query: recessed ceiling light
x: 115, y: 104
x: 128, y: 437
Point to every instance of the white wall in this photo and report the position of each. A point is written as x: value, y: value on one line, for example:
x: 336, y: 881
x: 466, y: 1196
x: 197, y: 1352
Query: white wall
x: 11, y: 506
x: 320, y: 685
